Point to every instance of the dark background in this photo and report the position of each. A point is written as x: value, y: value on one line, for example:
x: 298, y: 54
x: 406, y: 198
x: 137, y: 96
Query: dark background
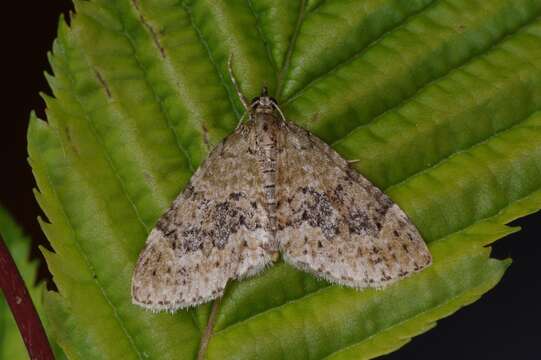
x: 503, y: 324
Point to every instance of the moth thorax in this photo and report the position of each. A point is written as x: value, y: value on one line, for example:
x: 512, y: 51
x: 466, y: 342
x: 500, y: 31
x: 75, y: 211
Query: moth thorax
x: 263, y: 110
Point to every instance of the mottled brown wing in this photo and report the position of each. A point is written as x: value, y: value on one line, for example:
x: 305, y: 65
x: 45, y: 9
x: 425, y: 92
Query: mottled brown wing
x: 216, y: 230
x: 335, y: 224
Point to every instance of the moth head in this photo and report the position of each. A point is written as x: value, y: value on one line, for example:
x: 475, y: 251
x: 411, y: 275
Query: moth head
x: 264, y: 103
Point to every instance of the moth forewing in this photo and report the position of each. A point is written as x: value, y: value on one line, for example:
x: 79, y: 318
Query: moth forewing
x: 216, y: 230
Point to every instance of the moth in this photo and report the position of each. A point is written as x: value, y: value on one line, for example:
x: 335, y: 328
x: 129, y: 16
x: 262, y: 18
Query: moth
x: 270, y: 188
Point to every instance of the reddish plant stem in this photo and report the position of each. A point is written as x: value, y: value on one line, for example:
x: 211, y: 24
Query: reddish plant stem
x: 23, y: 309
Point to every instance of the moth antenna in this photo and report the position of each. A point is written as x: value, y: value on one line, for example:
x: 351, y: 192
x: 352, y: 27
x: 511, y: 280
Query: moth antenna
x: 241, y: 96
x: 280, y: 112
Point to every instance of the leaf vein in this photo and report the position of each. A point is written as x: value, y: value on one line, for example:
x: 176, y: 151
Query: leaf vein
x: 292, y: 301
x: 262, y: 34
x: 420, y: 314
x: 205, y: 44
x: 355, y: 55
x: 290, y: 49
x: 470, y: 59
x: 157, y: 98
x: 100, y: 141
x: 461, y: 151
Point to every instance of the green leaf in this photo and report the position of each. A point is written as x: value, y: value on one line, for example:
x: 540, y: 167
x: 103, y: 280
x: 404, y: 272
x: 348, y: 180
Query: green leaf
x: 11, y: 343
x: 440, y: 100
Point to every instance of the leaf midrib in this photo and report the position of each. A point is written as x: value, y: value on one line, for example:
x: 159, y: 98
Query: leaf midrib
x: 209, y: 329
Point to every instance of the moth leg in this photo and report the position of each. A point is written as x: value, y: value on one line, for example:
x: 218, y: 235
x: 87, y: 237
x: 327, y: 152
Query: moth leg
x: 353, y: 161
x: 241, y: 96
